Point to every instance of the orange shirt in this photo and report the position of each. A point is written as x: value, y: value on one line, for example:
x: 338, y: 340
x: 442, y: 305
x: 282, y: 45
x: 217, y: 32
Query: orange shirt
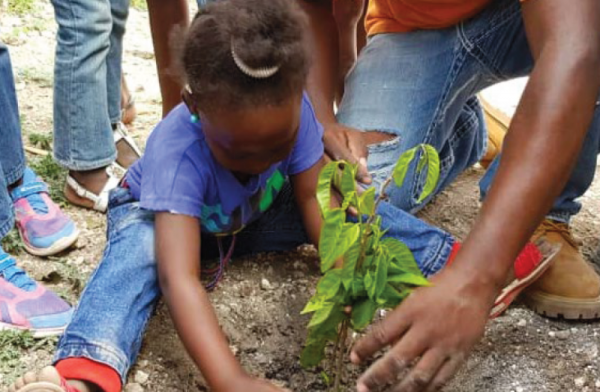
x: 398, y: 16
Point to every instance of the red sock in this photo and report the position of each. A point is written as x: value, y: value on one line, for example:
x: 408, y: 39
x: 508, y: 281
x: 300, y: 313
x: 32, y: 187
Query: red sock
x: 526, y: 261
x: 453, y: 252
x: 84, y: 369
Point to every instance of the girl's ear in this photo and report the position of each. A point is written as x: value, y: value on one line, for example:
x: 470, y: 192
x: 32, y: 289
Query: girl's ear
x: 188, y: 98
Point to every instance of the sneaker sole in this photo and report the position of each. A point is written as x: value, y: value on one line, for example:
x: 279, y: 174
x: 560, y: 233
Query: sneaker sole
x: 57, y: 247
x: 510, y: 292
x: 553, y: 306
x: 41, y: 386
x: 36, y: 333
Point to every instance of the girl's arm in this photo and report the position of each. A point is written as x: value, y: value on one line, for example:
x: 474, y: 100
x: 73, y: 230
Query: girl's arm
x: 178, y: 255
x: 305, y: 193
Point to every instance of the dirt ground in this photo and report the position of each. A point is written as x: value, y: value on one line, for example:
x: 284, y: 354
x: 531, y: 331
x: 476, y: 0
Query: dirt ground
x: 520, y: 352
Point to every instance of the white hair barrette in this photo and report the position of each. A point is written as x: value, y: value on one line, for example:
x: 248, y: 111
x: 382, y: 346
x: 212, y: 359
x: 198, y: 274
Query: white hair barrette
x: 257, y: 73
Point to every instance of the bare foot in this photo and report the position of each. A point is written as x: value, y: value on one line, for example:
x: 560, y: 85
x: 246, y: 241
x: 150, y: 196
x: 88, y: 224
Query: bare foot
x: 92, y: 180
x: 49, y: 380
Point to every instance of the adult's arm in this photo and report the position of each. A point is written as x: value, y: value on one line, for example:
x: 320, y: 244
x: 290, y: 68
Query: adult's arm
x: 341, y: 142
x: 541, y: 150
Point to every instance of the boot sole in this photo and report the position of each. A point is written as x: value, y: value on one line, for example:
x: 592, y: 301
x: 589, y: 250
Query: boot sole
x: 509, y: 293
x: 553, y: 306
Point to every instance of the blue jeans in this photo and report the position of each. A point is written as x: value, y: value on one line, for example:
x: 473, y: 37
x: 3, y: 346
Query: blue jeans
x: 87, y: 80
x: 109, y: 322
x: 12, y: 160
x: 421, y: 87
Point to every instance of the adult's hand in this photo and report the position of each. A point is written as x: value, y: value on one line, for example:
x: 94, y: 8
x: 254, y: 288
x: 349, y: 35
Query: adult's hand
x: 431, y: 334
x: 342, y: 142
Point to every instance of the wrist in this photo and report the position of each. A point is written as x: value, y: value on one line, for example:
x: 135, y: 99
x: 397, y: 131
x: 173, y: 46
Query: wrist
x: 228, y: 380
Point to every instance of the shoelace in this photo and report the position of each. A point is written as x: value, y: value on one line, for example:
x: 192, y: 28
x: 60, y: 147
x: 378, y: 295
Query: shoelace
x: 549, y: 226
x: 13, y: 274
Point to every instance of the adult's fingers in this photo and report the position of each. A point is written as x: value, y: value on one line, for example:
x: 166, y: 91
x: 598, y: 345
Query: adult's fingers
x: 423, y: 373
x: 383, y: 333
x: 386, y: 370
x: 446, y: 372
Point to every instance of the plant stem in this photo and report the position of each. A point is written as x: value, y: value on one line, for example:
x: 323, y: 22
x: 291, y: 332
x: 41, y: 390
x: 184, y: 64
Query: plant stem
x: 339, y: 355
x: 382, y: 196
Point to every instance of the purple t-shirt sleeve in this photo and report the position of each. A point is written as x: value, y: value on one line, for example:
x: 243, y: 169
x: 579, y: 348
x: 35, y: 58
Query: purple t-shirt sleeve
x: 309, y: 147
x: 173, y: 179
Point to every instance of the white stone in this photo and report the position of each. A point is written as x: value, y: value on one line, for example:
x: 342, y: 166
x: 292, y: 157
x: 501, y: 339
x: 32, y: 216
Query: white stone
x: 265, y: 284
x: 134, y: 387
x: 141, y: 377
x: 522, y: 323
x: 579, y: 382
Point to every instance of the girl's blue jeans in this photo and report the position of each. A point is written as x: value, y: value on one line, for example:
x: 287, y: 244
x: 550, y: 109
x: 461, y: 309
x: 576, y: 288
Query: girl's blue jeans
x: 12, y: 160
x: 420, y: 87
x: 87, y: 80
x: 114, y: 309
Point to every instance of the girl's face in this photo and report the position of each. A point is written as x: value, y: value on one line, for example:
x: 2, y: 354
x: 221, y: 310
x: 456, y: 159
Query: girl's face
x: 249, y: 141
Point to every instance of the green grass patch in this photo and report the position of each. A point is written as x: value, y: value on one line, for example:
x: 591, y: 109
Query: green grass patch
x: 12, y: 243
x: 13, y: 345
x: 20, y: 7
x: 140, y: 5
x: 53, y: 174
x: 40, y: 140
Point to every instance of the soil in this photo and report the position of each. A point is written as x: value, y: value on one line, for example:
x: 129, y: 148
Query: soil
x: 521, y: 351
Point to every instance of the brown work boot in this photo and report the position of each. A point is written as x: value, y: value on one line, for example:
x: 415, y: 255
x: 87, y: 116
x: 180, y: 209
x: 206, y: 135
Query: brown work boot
x: 570, y: 288
x: 497, y: 125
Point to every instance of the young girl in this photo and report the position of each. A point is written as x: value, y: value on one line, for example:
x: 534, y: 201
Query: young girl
x: 215, y: 174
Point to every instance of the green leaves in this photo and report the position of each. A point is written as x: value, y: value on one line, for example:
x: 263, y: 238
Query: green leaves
x: 336, y: 238
x: 402, y: 166
x: 329, y: 284
x: 366, y: 202
x: 431, y: 159
x: 362, y: 314
x: 324, y: 186
x: 428, y: 158
x: 378, y: 272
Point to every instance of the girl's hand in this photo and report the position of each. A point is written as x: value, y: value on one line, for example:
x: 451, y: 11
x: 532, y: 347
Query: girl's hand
x: 247, y: 383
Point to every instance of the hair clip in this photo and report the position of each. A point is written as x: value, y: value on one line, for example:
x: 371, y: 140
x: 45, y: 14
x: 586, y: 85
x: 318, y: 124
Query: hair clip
x: 194, y: 118
x: 257, y: 73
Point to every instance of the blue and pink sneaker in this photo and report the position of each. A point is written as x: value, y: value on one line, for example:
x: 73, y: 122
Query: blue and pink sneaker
x: 28, y: 306
x: 44, y: 228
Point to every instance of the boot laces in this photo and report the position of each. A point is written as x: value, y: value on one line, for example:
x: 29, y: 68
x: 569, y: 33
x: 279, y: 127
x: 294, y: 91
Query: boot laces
x: 550, y: 226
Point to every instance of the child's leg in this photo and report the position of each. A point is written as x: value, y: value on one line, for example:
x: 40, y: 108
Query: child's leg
x: 431, y: 246
x: 12, y: 160
x: 104, y: 337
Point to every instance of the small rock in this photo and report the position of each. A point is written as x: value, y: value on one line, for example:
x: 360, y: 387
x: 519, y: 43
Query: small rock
x: 552, y: 334
x: 579, y: 382
x: 141, y: 377
x: 520, y: 389
x: 265, y: 284
x: 134, y: 387
x: 522, y: 323
x: 563, y: 335
x: 143, y: 363
x: 597, y: 383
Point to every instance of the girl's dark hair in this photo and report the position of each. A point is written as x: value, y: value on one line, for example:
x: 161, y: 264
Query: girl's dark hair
x: 264, y: 33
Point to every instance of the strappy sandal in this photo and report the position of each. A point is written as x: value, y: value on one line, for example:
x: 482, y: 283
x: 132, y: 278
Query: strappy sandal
x: 120, y: 133
x: 100, y: 201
